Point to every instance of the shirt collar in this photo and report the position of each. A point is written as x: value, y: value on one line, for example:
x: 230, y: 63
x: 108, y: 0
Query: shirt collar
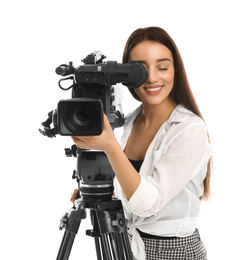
x: 180, y: 114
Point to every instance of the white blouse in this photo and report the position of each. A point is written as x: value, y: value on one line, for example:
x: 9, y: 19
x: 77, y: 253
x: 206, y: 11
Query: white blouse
x: 166, y: 202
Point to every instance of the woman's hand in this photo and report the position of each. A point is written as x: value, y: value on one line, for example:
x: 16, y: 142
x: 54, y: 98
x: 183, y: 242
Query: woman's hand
x: 75, y: 195
x: 101, y: 142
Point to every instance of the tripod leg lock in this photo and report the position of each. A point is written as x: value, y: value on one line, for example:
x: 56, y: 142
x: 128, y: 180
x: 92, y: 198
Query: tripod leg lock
x: 120, y: 223
x: 63, y: 221
x: 110, y: 217
x: 71, y: 221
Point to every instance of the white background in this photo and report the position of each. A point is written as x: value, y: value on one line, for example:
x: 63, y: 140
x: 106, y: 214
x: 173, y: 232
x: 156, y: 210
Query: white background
x: 215, y: 42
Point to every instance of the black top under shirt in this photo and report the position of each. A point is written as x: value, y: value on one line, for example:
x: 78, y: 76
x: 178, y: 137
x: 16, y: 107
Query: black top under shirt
x: 137, y: 165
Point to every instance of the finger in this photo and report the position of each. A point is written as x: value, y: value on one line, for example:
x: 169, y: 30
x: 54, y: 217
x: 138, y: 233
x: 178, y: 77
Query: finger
x: 76, y: 139
x: 106, y: 118
x: 72, y: 199
x: 74, y: 196
x: 80, y: 143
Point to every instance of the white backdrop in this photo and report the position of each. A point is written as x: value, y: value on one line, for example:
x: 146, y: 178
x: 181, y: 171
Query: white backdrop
x: 36, y: 36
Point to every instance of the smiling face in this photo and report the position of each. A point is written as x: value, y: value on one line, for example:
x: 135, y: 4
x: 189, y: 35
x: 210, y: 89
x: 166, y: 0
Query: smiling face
x: 158, y: 61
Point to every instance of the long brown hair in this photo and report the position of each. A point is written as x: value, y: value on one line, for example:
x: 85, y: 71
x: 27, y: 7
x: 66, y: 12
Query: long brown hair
x: 181, y: 92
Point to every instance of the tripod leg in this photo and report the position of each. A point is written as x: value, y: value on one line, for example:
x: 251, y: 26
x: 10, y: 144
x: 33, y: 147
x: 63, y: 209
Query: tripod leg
x: 66, y: 246
x: 112, y: 228
x: 62, y: 244
x: 71, y: 223
x: 116, y: 245
x: 98, y: 248
x: 126, y: 243
x: 106, y: 247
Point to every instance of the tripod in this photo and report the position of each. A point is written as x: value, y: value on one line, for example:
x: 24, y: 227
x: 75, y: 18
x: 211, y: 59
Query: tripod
x: 107, y: 217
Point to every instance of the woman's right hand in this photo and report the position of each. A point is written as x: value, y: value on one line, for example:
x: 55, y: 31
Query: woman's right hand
x: 75, y: 195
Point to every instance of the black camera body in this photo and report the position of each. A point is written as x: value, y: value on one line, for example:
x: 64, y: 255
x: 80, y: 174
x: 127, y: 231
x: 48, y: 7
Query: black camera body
x: 94, y: 92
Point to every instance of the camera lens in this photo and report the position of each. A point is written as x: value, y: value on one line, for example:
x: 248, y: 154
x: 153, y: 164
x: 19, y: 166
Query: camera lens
x: 83, y: 115
x: 80, y: 117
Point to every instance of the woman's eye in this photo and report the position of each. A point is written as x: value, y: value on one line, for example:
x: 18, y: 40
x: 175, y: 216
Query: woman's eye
x: 163, y: 68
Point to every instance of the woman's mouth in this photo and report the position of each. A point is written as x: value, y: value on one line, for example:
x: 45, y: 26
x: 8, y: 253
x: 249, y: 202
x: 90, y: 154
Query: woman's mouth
x: 153, y: 90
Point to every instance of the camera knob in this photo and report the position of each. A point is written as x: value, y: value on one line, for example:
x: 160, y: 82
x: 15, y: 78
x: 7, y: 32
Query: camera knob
x: 68, y: 152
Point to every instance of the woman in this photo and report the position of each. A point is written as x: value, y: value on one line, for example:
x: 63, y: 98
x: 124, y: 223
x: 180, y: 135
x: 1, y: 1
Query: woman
x: 162, y: 166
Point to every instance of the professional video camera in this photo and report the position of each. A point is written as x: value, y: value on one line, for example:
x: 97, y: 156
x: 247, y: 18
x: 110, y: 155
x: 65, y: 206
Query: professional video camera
x: 92, y: 94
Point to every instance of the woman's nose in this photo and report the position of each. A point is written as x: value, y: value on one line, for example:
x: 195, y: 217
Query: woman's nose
x: 152, y: 76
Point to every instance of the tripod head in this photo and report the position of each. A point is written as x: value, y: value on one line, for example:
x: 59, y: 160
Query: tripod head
x: 94, y: 175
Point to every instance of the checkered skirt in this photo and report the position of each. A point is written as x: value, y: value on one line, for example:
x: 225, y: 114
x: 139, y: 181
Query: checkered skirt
x: 184, y: 248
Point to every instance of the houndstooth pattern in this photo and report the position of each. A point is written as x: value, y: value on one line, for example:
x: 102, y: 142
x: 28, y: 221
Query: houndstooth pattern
x: 185, y: 248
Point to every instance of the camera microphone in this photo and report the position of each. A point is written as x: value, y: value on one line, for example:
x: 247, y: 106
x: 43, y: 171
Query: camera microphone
x: 65, y: 70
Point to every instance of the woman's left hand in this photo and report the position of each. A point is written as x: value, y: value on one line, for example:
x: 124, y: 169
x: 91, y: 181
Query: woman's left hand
x: 101, y: 142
